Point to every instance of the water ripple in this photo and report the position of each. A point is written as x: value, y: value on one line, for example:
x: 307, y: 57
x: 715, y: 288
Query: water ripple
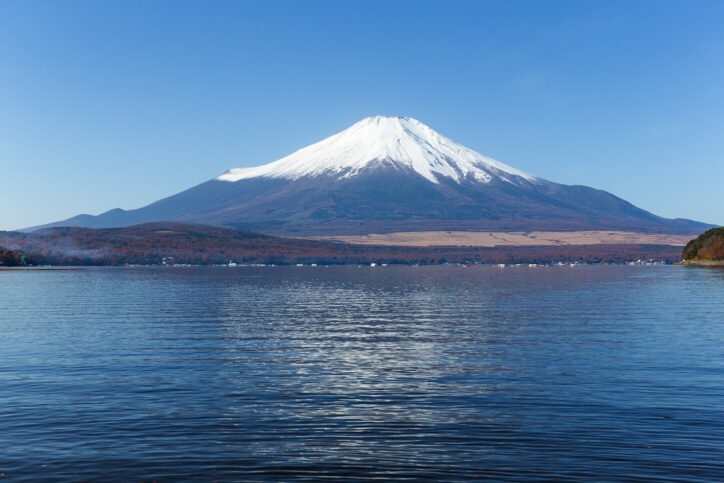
x: 445, y: 373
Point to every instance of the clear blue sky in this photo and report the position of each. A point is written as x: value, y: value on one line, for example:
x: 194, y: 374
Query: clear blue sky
x: 118, y: 104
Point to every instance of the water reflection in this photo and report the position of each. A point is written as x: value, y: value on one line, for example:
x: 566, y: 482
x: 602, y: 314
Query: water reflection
x: 428, y: 372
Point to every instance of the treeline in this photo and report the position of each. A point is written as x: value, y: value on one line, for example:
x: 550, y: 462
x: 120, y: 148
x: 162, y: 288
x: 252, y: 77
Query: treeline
x: 707, y: 246
x: 153, y: 244
x: 10, y: 258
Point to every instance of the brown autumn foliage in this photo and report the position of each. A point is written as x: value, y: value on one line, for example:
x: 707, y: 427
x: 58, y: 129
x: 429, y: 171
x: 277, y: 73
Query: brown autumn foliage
x: 10, y: 258
x: 197, y: 244
x: 707, y: 246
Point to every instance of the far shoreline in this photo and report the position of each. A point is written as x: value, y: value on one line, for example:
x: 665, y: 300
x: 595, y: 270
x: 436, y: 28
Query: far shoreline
x: 703, y: 263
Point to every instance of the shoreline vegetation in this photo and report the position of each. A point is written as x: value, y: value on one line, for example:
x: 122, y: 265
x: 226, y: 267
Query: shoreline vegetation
x: 184, y: 244
x: 703, y: 263
x: 706, y: 250
x: 12, y: 258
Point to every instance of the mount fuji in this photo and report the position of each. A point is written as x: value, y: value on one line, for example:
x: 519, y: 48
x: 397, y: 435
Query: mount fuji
x: 390, y: 174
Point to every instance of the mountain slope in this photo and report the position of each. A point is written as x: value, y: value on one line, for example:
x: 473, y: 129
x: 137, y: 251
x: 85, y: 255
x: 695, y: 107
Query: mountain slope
x: 401, y: 143
x: 390, y: 174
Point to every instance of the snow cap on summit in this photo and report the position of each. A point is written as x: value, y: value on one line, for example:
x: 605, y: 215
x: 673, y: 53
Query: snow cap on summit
x: 403, y: 142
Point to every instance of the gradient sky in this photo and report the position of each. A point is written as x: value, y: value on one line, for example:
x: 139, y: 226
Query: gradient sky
x: 118, y: 104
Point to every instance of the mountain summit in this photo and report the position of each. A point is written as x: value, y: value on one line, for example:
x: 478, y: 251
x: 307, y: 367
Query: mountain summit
x: 386, y: 174
x: 400, y: 142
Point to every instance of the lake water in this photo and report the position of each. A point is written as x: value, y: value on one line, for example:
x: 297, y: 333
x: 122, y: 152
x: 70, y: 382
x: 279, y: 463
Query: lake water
x: 449, y: 373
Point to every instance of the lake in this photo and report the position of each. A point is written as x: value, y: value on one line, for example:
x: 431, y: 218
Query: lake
x: 279, y: 373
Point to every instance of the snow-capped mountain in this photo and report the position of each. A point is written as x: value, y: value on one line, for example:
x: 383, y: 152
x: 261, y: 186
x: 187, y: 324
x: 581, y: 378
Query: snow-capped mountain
x: 400, y: 142
x: 387, y: 174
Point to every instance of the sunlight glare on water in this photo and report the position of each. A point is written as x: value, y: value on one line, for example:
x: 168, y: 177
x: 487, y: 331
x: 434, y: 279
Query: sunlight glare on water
x: 420, y: 372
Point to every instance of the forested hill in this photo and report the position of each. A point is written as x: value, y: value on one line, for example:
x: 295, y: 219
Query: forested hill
x: 709, y: 246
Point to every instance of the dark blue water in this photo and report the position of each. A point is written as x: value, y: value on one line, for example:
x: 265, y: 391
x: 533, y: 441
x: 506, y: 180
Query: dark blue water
x: 585, y: 373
